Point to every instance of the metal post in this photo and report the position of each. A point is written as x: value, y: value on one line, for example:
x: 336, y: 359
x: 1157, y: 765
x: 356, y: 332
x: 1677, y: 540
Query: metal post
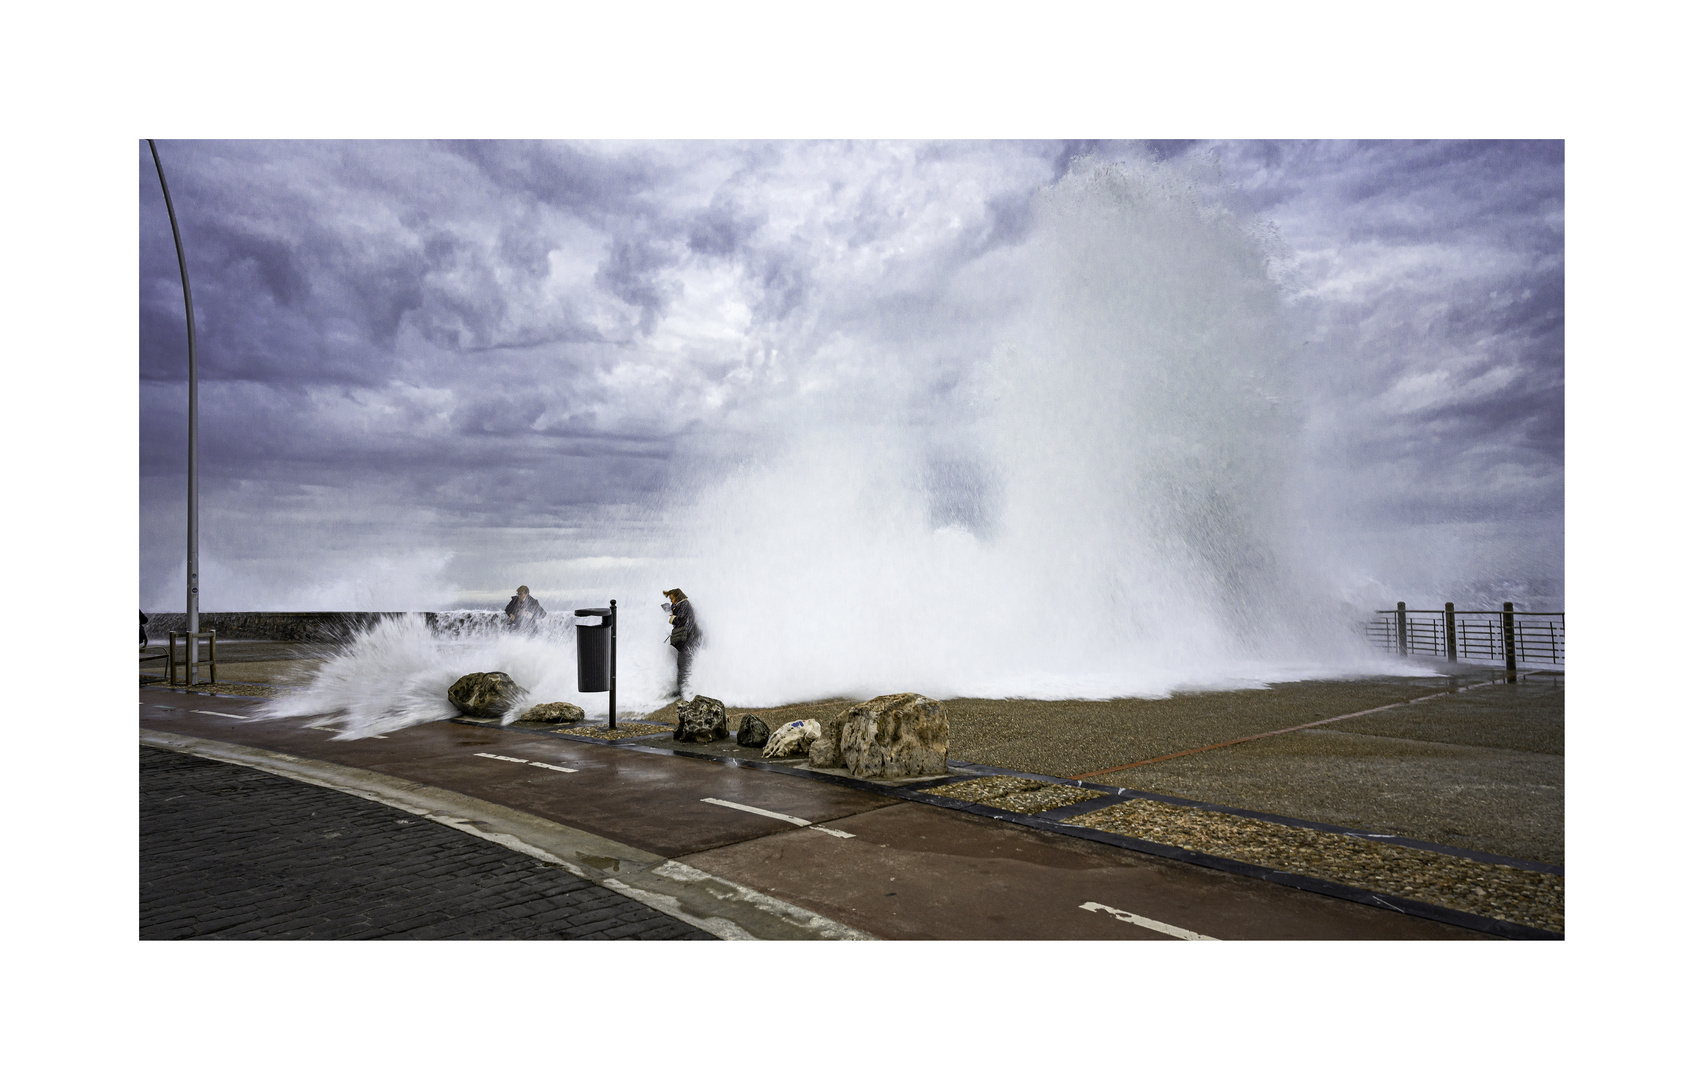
x: 192, y: 600
x: 1509, y: 639
x: 612, y: 665
x: 1401, y: 628
x: 1449, y: 630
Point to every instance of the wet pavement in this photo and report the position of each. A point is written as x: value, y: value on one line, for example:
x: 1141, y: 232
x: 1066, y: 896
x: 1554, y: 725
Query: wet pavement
x: 765, y: 853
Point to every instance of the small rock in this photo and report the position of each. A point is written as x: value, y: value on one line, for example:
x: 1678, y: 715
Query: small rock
x: 753, y: 732
x: 701, y: 720
x: 794, y: 738
x: 895, y: 735
x: 825, y: 752
x: 554, y: 712
x: 485, y: 694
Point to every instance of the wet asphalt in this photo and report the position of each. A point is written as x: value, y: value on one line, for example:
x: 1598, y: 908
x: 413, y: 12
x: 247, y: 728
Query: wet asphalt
x: 868, y: 860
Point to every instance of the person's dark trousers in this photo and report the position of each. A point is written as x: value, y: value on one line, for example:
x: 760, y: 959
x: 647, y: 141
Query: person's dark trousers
x: 683, y: 668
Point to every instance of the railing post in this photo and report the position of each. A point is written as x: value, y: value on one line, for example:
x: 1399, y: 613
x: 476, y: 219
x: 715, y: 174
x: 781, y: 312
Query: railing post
x: 1449, y: 630
x: 1401, y: 628
x: 1509, y: 639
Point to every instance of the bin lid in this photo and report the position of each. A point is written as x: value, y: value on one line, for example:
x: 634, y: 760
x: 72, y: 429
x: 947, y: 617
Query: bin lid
x: 591, y: 611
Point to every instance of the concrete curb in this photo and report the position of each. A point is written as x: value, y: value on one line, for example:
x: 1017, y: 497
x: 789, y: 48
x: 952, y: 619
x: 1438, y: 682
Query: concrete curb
x: 726, y: 909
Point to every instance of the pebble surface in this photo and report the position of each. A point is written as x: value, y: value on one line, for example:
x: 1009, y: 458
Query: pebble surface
x: 235, y: 689
x: 622, y: 730
x: 1015, y: 793
x: 1498, y: 892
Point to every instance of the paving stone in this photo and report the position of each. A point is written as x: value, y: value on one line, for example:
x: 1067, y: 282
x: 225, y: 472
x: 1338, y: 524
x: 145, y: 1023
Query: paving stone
x: 228, y: 852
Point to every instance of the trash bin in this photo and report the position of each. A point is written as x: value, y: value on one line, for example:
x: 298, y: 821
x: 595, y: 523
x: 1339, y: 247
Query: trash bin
x: 593, y: 640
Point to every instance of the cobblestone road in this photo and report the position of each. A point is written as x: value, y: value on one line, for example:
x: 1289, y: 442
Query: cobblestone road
x: 229, y: 852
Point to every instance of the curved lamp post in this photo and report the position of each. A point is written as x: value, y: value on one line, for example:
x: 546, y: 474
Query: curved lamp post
x: 192, y: 607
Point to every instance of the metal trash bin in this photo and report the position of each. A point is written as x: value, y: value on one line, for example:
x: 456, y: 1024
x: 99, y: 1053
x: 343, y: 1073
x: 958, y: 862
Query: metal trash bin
x: 595, y: 643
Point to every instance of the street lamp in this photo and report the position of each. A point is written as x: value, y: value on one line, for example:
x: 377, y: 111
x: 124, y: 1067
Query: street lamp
x: 192, y: 605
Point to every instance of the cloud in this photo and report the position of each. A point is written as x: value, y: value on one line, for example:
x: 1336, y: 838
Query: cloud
x: 412, y: 346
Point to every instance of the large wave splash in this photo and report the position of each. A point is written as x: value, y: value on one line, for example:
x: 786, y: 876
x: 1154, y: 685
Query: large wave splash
x: 398, y: 673
x: 1100, y: 506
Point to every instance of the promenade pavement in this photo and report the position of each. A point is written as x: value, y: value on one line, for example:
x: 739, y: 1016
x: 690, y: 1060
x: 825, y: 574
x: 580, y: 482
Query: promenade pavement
x: 231, y: 852
x: 722, y: 850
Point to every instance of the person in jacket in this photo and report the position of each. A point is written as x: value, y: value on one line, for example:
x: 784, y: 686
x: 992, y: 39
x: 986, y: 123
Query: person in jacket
x: 684, y: 635
x: 523, y: 611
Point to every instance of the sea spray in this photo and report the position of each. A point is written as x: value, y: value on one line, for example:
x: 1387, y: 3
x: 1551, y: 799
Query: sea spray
x: 398, y: 673
x: 1099, y: 506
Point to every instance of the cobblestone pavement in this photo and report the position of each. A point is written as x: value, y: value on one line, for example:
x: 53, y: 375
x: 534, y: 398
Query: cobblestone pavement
x: 229, y: 852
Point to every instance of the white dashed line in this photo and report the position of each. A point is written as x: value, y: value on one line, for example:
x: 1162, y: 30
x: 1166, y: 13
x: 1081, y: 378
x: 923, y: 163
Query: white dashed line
x: 778, y: 817
x: 757, y: 810
x: 226, y: 715
x: 1152, y: 924
x: 524, y: 761
x: 545, y: 765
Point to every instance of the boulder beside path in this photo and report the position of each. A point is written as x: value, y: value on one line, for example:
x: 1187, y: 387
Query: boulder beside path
x: 893, y: 736
x: 794, y: 738
x: 753, y: 732
x: 825, y: 752
x: 701, y: 720
x: 552, y: 712
x: 486, y: 695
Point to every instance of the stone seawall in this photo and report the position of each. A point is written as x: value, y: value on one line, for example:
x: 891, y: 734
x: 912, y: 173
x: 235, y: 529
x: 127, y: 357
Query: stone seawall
x: 318, y: 626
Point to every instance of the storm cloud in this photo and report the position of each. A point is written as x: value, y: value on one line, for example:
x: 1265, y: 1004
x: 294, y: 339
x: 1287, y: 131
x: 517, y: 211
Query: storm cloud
x: 429, y: 370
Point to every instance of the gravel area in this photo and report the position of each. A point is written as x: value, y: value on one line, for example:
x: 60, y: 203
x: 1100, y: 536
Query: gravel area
x: 622, y: 730
x: 1499, y: 892
x: 1016, y: 794
x: 238, y: 689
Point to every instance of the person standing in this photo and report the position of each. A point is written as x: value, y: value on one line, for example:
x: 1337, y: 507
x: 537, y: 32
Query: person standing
x: 684, y: 635
x: 523, y: 611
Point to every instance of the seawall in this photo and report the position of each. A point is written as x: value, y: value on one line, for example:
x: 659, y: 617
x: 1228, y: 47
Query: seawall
x: 317, y: 626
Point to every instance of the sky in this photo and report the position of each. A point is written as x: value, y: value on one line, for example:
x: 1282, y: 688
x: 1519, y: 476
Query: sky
x: 429, y: 370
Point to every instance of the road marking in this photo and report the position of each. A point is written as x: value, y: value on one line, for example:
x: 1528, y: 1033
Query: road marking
x: 545, y: 765
x: 1152, y: 924
x: 779, y: 817
x: 522, y: 761
x: 226, y: 715
x: 757, y: 810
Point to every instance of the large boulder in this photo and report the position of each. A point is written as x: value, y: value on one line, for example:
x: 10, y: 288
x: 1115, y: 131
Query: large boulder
x: 552, y: 712
x: 896, y: 735
x: 825, y: 752
x: 701, y: 720
x: 753, y: 732
x: 794, y: 738
x: 487, y: 695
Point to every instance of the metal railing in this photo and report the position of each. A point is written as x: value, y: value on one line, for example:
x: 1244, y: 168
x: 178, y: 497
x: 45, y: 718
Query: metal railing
x: 1525, y: 637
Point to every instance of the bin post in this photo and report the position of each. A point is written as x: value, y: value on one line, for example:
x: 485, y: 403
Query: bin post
x: 1401, y: 628
x: 1449, y: 630
x: 1509, y: 639
x: 612, y: 664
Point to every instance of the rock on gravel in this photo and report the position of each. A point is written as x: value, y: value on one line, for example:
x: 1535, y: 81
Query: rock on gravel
x: 485, y: 694
x: 701, y: 720
x: 895, y: 735
x: 553, y: 712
